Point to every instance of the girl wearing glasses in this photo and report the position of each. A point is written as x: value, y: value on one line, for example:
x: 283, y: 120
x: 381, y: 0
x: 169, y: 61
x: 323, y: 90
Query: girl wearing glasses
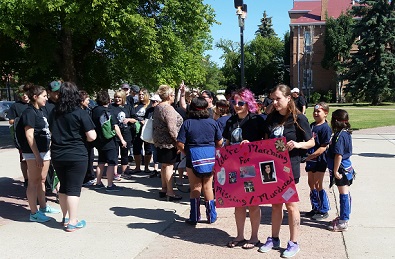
x: 243, y: 127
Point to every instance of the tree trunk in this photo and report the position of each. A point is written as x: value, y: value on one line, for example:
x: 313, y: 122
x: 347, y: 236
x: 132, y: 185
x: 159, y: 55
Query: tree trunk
x: 68, y: 69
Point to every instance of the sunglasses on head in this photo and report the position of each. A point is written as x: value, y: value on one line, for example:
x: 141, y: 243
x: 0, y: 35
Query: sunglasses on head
x: 239, y: 103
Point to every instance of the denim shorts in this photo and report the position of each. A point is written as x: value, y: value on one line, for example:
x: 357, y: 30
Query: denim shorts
x: 44, y: 155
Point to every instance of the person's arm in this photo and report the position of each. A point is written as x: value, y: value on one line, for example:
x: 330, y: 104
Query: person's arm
x: 337, y: 161
x: 301, y: 145
x: 90, y: 135
x: 181, y: 147
x: 316, y: 153
x: 29, y: 132
x: 119, y: 135
x: 218, y: 143
x: 183, y: 103
x: 304, y: 109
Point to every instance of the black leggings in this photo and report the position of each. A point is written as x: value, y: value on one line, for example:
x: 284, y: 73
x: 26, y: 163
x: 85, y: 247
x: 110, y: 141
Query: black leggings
x: 71, y: 176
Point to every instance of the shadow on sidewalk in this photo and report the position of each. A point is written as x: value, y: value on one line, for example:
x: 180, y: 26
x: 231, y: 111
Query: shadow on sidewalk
x: 13, y: 202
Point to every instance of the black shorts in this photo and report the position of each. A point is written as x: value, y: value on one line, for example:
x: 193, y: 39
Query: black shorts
x: 167, y: 155
x: 343, y: 182
x: 316, y: 167
x: 71, y: 175
x: 109, y: 157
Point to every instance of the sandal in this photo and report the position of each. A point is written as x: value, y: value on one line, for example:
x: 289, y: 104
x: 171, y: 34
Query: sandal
x: 174, y: 197
x: 251, y: 245
x: 234, y: 243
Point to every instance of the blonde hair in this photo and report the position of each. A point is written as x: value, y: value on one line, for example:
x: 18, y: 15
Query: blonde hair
x: 122, y: 94
x: 164, y: 92
x: 146, y: 96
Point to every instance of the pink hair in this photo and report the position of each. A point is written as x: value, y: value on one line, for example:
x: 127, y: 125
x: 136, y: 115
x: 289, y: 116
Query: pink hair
x: 248, y: 97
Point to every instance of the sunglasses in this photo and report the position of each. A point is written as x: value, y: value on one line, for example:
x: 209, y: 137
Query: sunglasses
x: 239, y: 103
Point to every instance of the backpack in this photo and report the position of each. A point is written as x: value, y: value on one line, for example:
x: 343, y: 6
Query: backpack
x: 106, y: 127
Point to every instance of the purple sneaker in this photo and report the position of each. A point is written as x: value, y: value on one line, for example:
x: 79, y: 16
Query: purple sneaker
x: 291, y: 251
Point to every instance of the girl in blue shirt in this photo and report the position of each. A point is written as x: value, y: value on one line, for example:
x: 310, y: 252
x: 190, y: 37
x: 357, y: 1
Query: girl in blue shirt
x: 340, y: 167
x: 316, y: 163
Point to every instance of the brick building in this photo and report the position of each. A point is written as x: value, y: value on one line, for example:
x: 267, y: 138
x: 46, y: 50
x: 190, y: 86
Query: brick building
x: 307, y: 29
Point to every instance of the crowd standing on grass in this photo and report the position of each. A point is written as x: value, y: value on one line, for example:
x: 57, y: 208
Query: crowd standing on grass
x: 63, y: 125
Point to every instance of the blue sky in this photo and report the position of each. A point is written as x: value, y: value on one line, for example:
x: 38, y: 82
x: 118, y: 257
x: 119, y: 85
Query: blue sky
x: 229, y: 28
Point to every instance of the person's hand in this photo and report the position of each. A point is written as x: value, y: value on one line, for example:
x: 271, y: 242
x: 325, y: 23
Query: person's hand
x: 290, y: 145
x: 338, y: 176
x: 244, y: 142
x: 182, y: 87
x: 39, y: 162
x: 124, y: 144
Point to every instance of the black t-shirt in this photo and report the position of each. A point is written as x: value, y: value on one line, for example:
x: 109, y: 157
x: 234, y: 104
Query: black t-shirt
x: 250, y: 128
x: 49, y: 107
x: 140, y: 110
x: 300, y: 101
x: 120, y: 113
x: 101, y: 142
x: 34, y: 118
x: 68, y: 135
x: 16, y: 110
x: 275, y: 129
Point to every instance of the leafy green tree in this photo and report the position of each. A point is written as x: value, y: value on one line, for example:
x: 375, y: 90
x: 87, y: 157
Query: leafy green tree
x: 371, y: 71
x: 264, y: 63
x: 338, y: 41
x: 265, y: 29
x: 101, y: 43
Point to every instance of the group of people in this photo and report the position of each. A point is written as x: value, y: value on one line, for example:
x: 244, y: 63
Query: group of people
x: 282, y: 119
x: 58, y: 132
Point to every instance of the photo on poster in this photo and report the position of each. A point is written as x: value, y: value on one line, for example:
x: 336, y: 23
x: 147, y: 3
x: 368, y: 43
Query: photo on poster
x: 249, y: 186
x: 268, y: 172
x: 232, y: 177
x: 247, y: 172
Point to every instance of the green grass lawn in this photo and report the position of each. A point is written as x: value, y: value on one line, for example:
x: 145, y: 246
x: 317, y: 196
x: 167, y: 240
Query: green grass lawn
x: 363, y: 116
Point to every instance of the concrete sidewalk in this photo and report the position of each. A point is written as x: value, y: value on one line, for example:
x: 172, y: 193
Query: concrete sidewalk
x: 135, y: 223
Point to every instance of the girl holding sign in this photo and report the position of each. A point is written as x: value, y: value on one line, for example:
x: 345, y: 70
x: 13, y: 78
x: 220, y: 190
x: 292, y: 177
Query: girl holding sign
x: 241, y: 128
x: 287, y: 121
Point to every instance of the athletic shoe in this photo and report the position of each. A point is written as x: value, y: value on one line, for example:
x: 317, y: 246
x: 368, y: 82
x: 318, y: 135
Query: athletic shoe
x: 320, y: 216
x: 269, y: 245
x: 310, y: 213
x: 117, y: 177
x: 79, y: 225
x: 98, y: 186
x: 90, y: 183
x: 50, y: 210
x: 291, y: 251
x: 338, y: 226
x: 112, y: 188
x: 39, y: 217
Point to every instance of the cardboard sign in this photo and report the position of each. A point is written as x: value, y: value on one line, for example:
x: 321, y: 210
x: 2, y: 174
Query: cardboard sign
x: 254, y: 173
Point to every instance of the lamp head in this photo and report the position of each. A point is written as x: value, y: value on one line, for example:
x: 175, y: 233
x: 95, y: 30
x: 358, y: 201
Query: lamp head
x: 238, y: 3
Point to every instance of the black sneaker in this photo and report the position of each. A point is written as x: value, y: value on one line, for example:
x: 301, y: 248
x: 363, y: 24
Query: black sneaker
x: 310, y: 213
x: 320, y: 216
x: 153, y: 174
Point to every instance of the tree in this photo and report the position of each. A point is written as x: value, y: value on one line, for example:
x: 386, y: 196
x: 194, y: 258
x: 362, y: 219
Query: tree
x: 265, y: 29
x: 264, y: 63
x: 338, y: 41
x: 371, y: 70
x: 101, y: 43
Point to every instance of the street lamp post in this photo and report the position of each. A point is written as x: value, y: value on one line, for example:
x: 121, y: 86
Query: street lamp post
x: 242, y: 14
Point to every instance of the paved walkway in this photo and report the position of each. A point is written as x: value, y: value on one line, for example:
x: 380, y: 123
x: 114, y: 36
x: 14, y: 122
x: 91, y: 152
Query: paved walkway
x: 135, y: 223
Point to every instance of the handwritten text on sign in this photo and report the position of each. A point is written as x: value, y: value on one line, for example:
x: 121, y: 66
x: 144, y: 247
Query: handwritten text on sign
x: 254, y: 173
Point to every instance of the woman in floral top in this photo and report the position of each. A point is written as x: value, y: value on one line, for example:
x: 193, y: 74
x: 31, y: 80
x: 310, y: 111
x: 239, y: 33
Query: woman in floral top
x: 167, y: 123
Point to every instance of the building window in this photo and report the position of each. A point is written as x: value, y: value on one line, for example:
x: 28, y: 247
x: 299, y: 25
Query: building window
x: 307, y: 79
x: 307, y: 42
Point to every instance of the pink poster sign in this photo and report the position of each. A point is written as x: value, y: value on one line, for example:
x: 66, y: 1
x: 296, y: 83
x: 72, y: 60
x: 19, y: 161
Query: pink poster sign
x: 254, y: 173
